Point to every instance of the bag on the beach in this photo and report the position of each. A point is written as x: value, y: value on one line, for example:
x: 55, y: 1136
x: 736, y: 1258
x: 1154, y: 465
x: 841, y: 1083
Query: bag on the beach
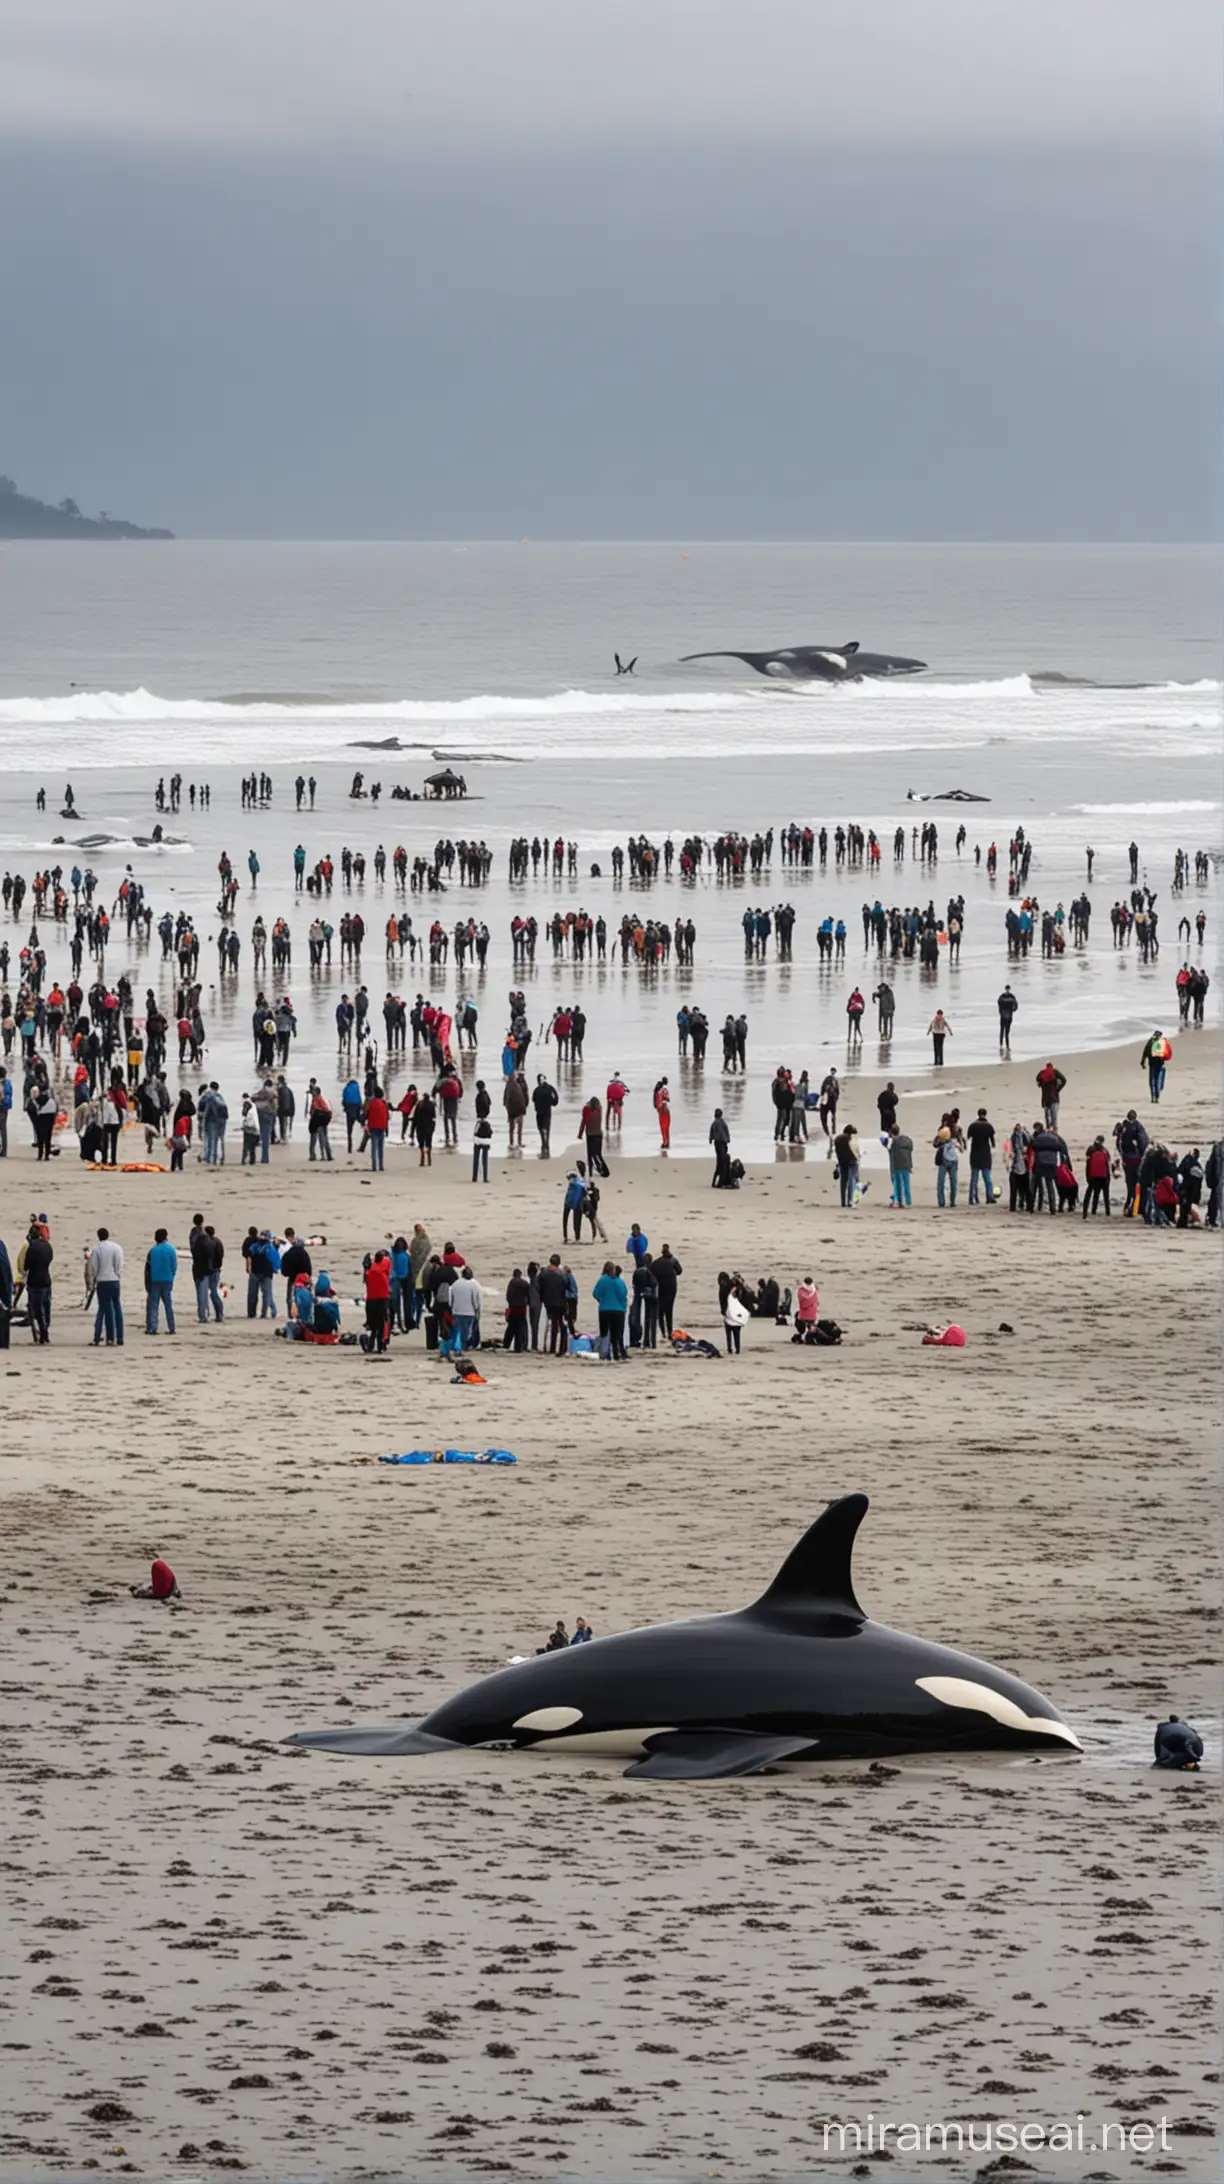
x: 828, y: 1334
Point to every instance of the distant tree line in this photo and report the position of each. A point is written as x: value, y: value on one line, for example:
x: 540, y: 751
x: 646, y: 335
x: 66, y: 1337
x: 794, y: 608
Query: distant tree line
x: 21, y: 516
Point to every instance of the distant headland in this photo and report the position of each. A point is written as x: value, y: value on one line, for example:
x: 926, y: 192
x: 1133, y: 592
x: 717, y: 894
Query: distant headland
x: 21, y: 516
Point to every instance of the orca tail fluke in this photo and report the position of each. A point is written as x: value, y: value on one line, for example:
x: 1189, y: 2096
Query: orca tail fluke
x: 816, y: 1575
x: 403, y: 1742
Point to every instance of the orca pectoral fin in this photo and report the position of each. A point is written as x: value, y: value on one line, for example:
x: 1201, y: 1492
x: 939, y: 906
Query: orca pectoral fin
x: 702, y: 1755
x: 405, y: 1741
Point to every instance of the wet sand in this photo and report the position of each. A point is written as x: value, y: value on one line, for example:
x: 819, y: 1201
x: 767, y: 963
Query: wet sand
x: 796, y: 1009
x: 224, y: 1954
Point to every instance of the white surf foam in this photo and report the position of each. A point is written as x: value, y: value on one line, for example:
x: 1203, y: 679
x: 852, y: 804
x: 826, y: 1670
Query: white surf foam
x: 1189, y: 803
x: 107, y: 728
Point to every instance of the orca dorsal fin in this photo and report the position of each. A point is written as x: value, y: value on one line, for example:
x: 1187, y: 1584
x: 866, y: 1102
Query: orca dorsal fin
x: 815, y: 1577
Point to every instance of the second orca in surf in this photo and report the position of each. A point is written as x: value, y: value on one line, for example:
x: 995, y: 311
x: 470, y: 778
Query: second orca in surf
x: 820, y: 663
x: 802, y: 1674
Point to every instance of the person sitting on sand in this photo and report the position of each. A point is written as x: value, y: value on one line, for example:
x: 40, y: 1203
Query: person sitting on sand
x: 163, y: 1585
x: 583, y: 1633
x: 807, y: 1310
x: 325, y: 1319
x: 1177, y: 1744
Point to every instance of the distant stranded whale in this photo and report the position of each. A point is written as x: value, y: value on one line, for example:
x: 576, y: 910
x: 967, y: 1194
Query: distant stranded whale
x: 820, y: 663
x: 803, y: 1674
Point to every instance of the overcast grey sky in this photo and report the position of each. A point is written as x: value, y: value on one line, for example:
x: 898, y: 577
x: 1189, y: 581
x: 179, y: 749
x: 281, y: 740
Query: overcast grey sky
x: 759, y: 268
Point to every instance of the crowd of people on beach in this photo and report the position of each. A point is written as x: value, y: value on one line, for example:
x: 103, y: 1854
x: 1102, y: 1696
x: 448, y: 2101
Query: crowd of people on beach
x: 404, y: 1288
x: 81, y: 1054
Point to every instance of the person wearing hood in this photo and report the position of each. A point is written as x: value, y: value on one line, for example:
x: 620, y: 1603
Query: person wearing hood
x: 325, y: 1319
x: 807, y: 1310
x: 419, y: 1249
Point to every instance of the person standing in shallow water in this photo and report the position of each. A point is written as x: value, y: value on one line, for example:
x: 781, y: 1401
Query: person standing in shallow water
x: 938, y: 1030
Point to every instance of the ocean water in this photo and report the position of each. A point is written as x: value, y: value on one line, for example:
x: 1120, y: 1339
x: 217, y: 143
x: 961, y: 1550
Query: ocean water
x: 1078, y: 689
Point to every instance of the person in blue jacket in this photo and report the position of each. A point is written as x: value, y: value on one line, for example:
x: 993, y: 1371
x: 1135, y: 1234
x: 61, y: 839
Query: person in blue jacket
x: 263, y: 1261
x: 161, y: 1266
x: 612, y: 1297
x: 401, y: 1282
x: 352, y: 1100
x: 326, y: 1319
x: 637, y: 1244
x: 583, y: 1633
x: 575, y: 1193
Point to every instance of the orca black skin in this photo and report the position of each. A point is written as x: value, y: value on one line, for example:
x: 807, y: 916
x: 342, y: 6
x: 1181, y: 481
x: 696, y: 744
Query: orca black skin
x: 803, y: 1674
x: 820, y: 663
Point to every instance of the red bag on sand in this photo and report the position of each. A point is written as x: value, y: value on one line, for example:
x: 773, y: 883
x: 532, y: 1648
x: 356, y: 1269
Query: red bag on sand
x: 952, y: 1338
x: 163, y: 1581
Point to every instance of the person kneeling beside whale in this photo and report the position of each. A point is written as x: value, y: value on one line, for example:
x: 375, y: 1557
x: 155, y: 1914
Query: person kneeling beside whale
x: 1177, y: 1744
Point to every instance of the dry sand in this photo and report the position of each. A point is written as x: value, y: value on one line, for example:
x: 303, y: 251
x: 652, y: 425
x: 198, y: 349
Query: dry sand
x: 222, y: 1954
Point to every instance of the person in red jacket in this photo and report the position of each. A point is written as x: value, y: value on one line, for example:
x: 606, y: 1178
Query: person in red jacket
x: 616, y: 1094
x: 1096, y: 1173
x: 376, y: 1120
x: 591, y: 1127
x: 163, y: 1584
x: 450, y: 1092
x: 378, y: 1300
x: 405, y: 1110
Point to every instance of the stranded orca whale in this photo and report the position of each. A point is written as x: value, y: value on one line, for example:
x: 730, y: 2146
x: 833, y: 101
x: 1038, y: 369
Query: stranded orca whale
x: 803, y: 1674
x: 820, y: 663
